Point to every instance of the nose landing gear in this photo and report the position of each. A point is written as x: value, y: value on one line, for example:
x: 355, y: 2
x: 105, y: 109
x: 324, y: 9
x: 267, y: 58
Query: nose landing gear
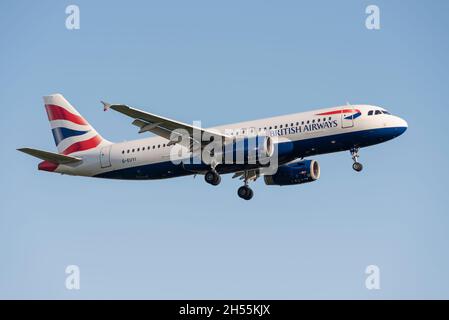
x: 357, y: 166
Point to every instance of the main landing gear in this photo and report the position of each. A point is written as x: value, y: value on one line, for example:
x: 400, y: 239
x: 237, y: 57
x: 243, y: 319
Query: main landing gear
x: 357, y: 166
x: 244, y: 191
x: 212, y: 177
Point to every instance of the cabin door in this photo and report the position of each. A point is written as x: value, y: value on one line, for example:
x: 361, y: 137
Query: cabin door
x: 347, y: 117
x: 105, y: 157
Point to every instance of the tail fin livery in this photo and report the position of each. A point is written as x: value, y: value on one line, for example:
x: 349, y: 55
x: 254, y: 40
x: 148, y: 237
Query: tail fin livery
x: 72, y: 133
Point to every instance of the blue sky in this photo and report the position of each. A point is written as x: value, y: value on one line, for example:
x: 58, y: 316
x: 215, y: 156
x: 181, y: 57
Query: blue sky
x: 223, y: 62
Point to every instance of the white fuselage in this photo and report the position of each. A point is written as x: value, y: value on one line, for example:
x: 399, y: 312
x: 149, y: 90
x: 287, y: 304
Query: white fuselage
x: 314, y: 132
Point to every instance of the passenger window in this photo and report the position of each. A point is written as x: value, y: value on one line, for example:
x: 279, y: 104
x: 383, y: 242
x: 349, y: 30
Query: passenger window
x: 127, y: 151
x: 319, y: 120
x: 308, y: 121
x: 302, y: 123
x: 154, y: 146
x: 280, y: 126
x: 297, y: 123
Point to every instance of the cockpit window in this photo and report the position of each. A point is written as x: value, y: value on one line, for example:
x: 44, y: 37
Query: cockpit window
x: 377, y: 112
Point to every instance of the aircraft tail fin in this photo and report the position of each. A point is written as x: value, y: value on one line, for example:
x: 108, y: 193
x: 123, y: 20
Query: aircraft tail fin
x: 71, y: 132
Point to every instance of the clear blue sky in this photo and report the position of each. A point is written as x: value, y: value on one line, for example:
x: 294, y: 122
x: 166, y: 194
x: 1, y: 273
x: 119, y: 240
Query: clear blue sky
x: 222, y: 62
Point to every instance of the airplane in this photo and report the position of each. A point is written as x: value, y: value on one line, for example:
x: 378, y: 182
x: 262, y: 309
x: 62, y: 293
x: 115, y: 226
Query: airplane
x: 82, y: 151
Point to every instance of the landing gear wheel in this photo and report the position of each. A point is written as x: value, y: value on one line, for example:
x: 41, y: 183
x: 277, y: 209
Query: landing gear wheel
x: 357, y: 166
x: 217, y: 180
x: 245, y: 192
x: 212, y: 177
x: 251, y: 194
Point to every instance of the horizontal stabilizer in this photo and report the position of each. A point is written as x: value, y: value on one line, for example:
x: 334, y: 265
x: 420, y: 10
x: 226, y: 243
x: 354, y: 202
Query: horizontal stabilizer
x: 50, y: 156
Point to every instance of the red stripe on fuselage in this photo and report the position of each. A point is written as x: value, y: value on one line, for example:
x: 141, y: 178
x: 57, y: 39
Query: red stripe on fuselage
x: 337, y: 112
x: 83, y: 145
x: 59, y: 113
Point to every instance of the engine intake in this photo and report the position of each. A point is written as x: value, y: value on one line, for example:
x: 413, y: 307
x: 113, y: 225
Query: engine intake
x: 295, y: 173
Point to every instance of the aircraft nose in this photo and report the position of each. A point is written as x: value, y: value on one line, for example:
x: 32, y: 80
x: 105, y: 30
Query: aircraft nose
x: 403, y: 123
x: 400, y: 126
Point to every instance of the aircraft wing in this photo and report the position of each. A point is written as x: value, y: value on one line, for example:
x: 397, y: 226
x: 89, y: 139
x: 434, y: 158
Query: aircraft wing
x: 161, y: 126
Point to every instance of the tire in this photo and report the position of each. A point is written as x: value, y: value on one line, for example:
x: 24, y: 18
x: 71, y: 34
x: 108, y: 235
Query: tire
x: 357, y: 166
x: 242, y: 191
x: 211, y: 177
x: 245, y: 193
x: 217, y: 180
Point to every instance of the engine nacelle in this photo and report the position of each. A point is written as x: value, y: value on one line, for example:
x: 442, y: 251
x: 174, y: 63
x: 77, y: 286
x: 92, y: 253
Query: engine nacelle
x: 295, y: 173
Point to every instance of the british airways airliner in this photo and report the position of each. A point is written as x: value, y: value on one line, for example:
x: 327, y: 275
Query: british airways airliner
x: 288, y: 139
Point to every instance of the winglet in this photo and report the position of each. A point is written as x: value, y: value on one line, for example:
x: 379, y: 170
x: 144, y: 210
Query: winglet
x: 106, y: 105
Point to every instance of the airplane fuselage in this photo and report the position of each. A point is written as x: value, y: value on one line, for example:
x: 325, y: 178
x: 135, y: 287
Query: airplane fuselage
x: 310, y: 133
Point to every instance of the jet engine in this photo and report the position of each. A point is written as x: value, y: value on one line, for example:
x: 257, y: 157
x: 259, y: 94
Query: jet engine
x: 295, y: 173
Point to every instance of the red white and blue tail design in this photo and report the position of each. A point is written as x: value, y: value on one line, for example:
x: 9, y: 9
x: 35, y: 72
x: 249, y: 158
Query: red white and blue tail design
x: 72, y: 133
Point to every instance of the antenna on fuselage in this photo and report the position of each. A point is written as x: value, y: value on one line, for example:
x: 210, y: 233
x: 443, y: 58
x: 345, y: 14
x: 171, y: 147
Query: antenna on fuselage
x: 349, y: 105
